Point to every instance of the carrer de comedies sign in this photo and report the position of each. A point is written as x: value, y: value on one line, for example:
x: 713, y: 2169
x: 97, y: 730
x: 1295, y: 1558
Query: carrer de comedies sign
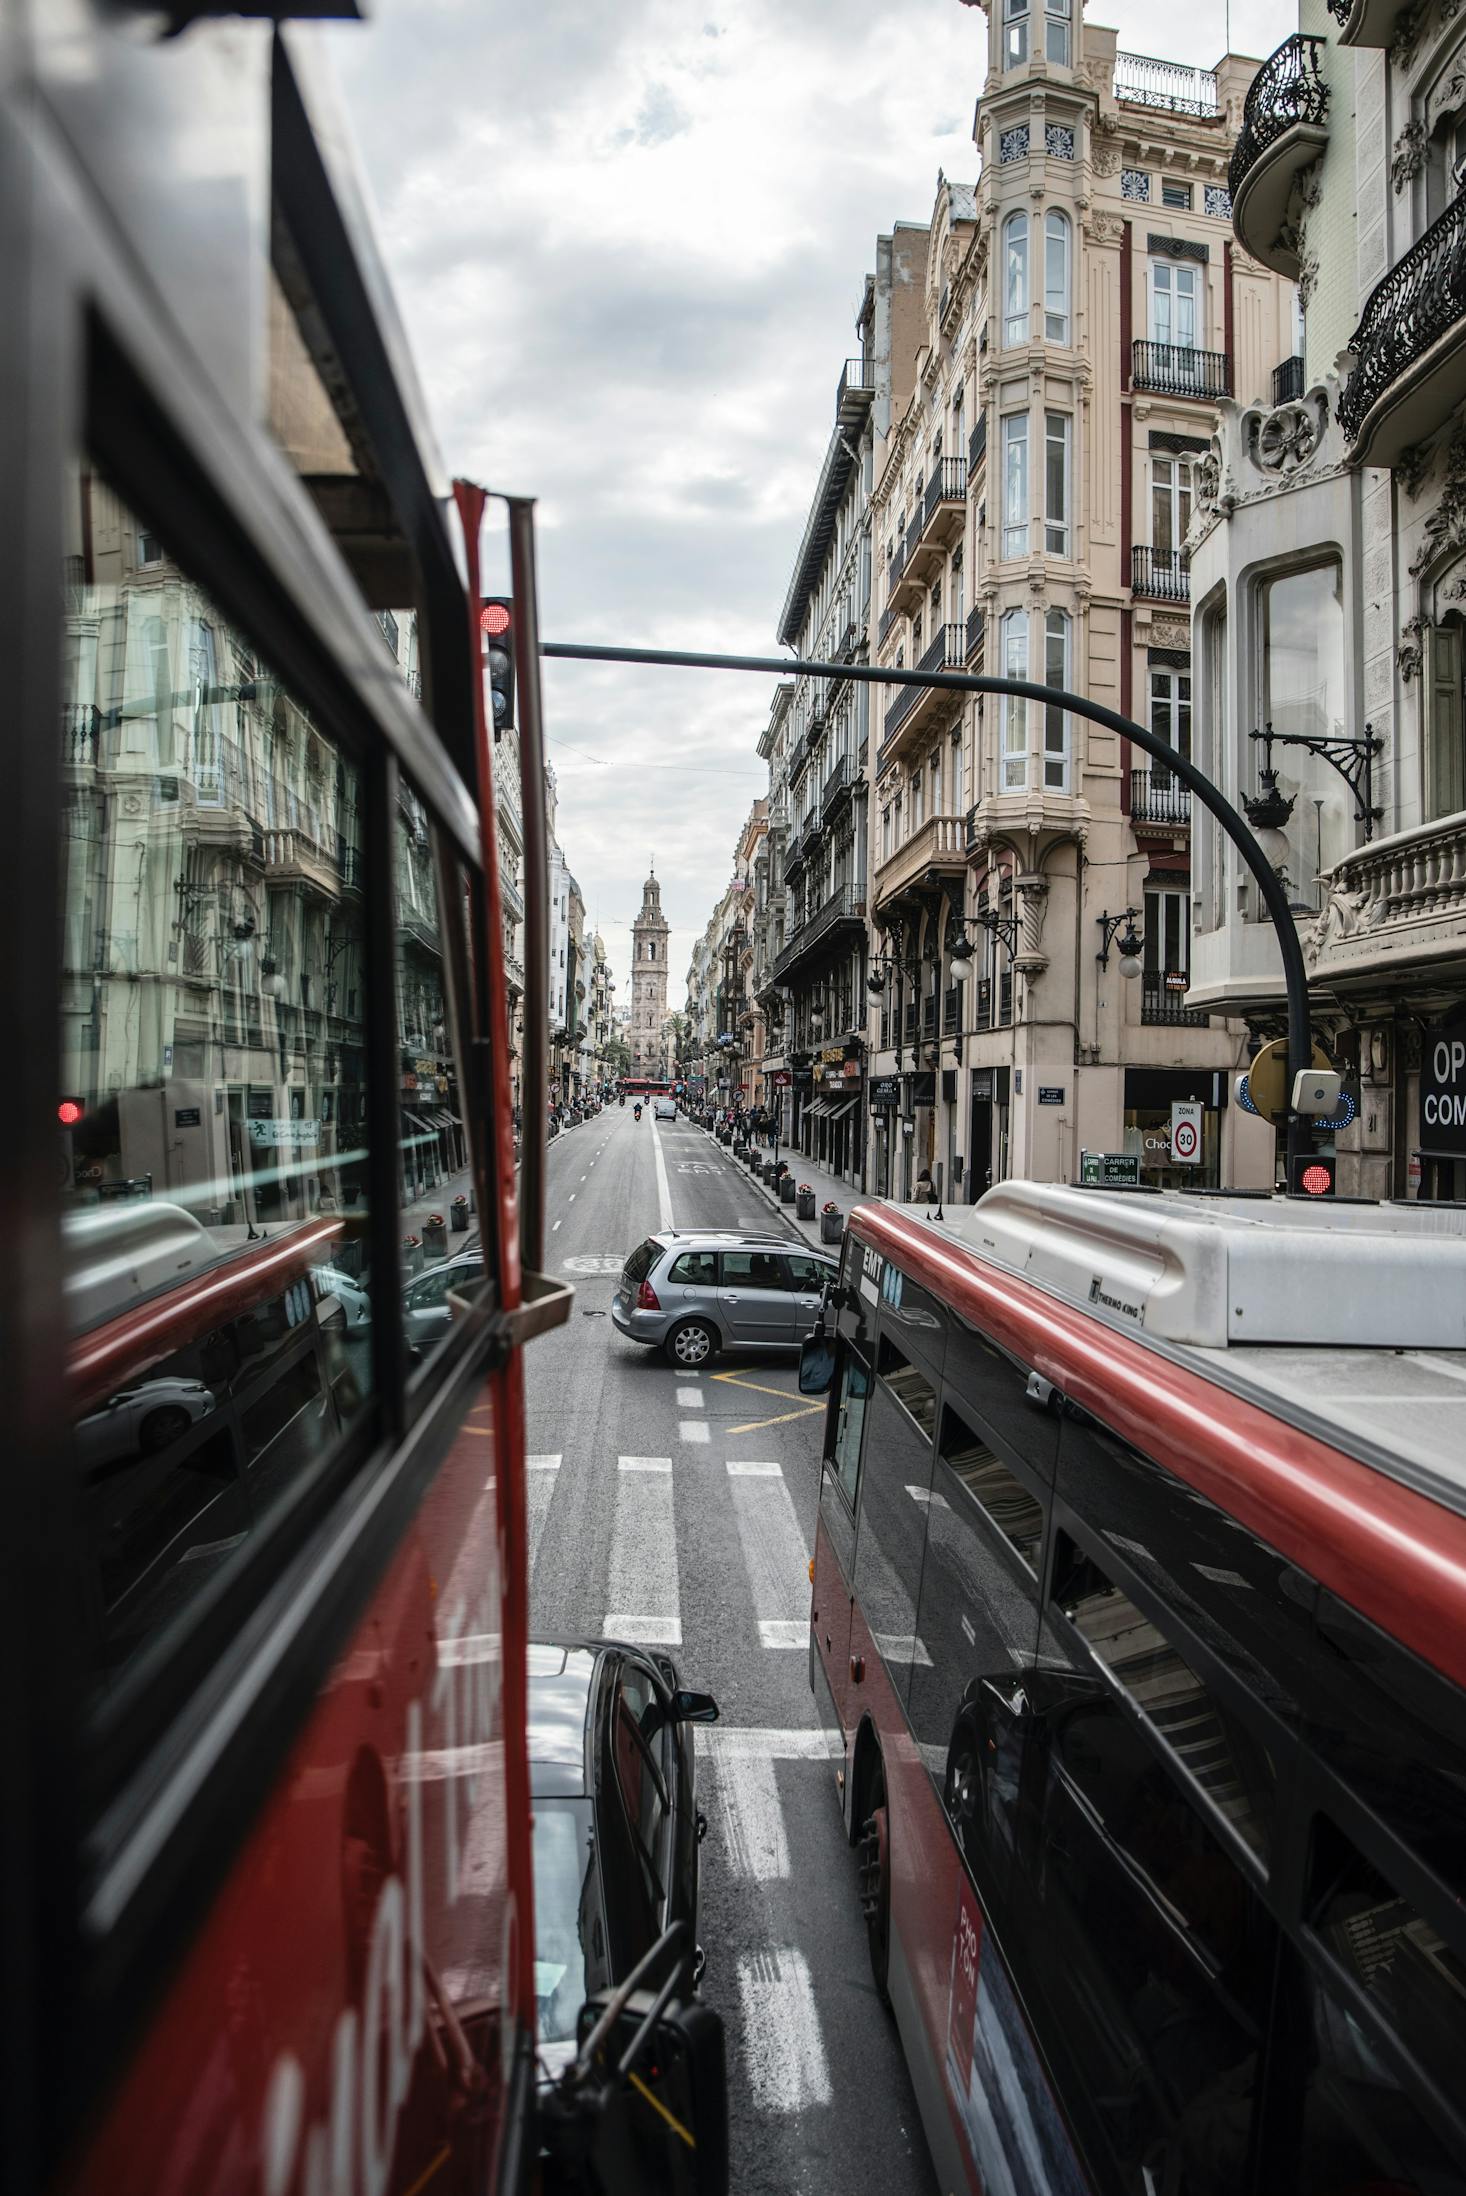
x: 1443, y: 1091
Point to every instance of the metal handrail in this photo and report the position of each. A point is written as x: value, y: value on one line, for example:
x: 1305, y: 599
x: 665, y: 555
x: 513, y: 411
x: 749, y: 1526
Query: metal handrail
x: 1422, y: 296
x: 1287, y: 89
x: 1174, y: 369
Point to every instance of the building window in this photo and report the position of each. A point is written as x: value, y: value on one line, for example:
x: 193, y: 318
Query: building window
x: 1016, y: 323
x: 958, y: 789
x: 1445, y: 721
x: 1015, y: 485
x: 1013, y: 633
x: 959, y: 417
x: 1170, y: 715
x: 1058, y: 259
x: 1056, y: 718
x: 918, y: 812
x: 1015, y: 33
x: 1304, y: 691
x: 1170, y: 504
x: 149, y: 548
x: 1177, y: 195
x: 959, y: 610
x: 1057, y: 436
x: 1056, y: 32
x: 1175, y: 304
x: 1167, y: 967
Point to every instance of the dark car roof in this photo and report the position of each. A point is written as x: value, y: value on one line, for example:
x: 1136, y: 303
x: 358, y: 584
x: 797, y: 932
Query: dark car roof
x: 561, y: 1679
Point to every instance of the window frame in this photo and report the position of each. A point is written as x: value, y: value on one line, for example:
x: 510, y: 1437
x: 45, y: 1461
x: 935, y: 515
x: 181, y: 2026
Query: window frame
x: 1058, y: 528
x: 1058, y: 237
x: 1016, y: 258
x: 1017, y: 530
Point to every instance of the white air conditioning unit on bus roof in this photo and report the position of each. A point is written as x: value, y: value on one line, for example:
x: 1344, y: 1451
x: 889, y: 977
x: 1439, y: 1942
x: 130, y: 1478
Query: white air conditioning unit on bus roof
x: 1234, y: 1270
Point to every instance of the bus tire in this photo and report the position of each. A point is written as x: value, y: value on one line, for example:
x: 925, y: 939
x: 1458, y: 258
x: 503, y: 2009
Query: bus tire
x: 875, y: 1882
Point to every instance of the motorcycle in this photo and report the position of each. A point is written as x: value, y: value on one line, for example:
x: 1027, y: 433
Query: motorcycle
x: 623, y: 1097
x: 636, y: 1111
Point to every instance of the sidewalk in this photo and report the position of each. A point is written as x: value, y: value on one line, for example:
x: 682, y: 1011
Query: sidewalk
x: 826, y: 1187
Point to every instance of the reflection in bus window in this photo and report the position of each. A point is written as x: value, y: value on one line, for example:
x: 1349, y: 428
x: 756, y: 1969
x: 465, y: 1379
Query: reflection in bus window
x: 441, y: 1251
x: 1355, y: 2127
x: 212, y: 1117
x: 1231, y: 1767
x: 895, y: 1488
x: 850, y: 1422
x: 909, y: 1387
x: 1017, y: 1514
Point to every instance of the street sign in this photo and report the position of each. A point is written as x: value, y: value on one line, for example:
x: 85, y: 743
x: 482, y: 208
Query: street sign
x: 1051, y: 1094
x: 1186, y: 1133
x: 1109, y: 1169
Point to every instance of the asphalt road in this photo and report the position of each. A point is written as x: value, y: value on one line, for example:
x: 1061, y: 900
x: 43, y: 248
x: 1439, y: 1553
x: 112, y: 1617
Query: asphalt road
x: 684, y: 1505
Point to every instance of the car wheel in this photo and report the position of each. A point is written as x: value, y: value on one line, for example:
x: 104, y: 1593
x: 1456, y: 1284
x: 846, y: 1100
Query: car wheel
x: 693, y: 1343
x: 163, y: 1427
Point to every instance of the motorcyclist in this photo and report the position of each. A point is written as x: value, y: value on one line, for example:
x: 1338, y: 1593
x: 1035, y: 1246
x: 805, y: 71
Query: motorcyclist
x: 623, y: 1097
x: 636, y: 1110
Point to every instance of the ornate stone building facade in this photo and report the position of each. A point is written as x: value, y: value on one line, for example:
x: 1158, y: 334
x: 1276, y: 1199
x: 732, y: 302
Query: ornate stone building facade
x: 1329, y: 570
x: 1083, y: 312
x: 649, y: 935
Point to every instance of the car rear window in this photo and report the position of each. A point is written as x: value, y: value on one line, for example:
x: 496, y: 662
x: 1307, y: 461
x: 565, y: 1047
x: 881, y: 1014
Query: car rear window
x: 699, y: 1269
x: 639, y: 1264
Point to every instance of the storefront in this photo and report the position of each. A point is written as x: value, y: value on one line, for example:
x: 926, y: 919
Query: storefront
x: 884, y: 1107
x: 833, y: 1116
x: 1438, y: 1164
x: 1150, y: 1096
x: 987, y: 1136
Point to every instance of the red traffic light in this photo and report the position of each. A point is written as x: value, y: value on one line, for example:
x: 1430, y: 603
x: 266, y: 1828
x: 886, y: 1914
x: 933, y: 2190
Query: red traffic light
x: 1312, y: 1175
x: 494, y: 619
x: 69, y: 1112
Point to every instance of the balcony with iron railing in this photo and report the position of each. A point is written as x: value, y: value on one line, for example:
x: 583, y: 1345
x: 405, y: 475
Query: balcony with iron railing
x: 914, y: 706
x: 1160, y: 575
x: 888, y: 618
x: 1174, y: 369
x: 977, y: 443
x: 798, y: 757
x: 936, y: 848
x: 1157, y: 796
x: 1288, y: 381
x: 511, y: 897
x: 1161, y: 1001
x: 855, y: 392
x: 1284, y: 129
x: 1143, y: 82
x: 939, y: 522
x: 904, y: 586
x: 1410, y: 346
x: 972, y: 646
x: 1369, y: 22
x: 837, y: 790
x: 842, y: 909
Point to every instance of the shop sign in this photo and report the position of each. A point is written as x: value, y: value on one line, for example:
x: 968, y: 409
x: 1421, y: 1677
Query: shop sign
x: 1443, y: 1091
x: 1051, y: 1094
x: 780, y: 1078
x: 426, y: 1067
x: 1177, y: 980
x: 885, y: 1090
x: 293, y: 1133
x: 803, y: 1078
x: 1109, y: 1169
x: 187, y: 1117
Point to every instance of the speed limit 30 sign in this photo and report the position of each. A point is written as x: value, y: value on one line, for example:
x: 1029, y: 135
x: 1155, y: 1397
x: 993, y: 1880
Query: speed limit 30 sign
x: 1186, y: 1133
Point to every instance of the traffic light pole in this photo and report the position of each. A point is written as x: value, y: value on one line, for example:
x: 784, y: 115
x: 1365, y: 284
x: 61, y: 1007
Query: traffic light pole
x: 1274, y: 897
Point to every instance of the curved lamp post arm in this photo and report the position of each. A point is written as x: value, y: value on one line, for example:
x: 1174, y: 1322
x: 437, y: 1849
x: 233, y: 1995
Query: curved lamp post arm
x: 1275, y: 899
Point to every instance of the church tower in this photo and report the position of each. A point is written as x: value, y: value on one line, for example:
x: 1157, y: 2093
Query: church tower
x: 649, y: 934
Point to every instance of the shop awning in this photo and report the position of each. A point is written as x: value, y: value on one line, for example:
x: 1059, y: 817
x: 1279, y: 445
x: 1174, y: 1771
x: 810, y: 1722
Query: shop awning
x: 839, y: 1107
x: 420, y: 1130
x: 446, y: 1120
x: 820, y: 1106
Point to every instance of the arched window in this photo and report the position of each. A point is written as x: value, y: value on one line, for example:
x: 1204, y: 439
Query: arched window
x: 1016, y: 328
x: 1056, y: 719
x: 1013, y: 643
x: 1058, y: 261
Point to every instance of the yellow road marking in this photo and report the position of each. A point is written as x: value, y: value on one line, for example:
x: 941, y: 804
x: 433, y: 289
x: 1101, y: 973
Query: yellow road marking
x: 740, y: 1380
x: 783, y: 1419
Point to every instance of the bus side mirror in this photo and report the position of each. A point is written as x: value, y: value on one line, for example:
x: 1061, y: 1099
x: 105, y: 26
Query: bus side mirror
x: 816, y: 1365
x: 652, y: 2113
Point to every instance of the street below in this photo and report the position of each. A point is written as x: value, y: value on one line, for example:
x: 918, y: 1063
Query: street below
x: 678, y: 1510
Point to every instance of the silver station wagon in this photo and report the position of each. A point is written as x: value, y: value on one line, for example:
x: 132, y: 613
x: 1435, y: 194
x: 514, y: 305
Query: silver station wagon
x: 693, y: 1292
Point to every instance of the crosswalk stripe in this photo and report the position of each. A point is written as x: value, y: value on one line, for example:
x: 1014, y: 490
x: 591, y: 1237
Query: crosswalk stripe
x: 775, y: 1557
x: 642, y: 1585
x: 694, y: 1429
x: 752, y: 1467
x: 691, y: 1399
x: 768, y: 1741
x: 783, y: 2048
x: 540, y: 1486
x: 750, y: 1819
x: 544, y: 1462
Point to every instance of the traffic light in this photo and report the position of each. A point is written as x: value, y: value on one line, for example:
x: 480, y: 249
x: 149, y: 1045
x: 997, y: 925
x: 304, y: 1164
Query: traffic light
x: 69, y: 1112
x: 496, y: 622
x: 1311, y: 1174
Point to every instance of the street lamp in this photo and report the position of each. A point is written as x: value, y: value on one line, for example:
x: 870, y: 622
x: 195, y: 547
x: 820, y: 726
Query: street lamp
x: 959, y: 945
x: 1129, y: 945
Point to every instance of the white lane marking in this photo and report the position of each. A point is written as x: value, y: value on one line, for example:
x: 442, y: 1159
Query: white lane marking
x: 570, y: 1200
x: 691, y: 1399
x: 774, y: 1555
x: 694, y: 1429
x: 554, y: 1227
x: 783, y: 1632
x: 469, y: 1649
x: 783, y: 2049
x: 541, y: 1486
x: 583, y: 1177
x: 749, y: 1467
x: 902, y: 1647
x: 643, y: 1598
x: 664, y: 1194
x: 750, y: 1819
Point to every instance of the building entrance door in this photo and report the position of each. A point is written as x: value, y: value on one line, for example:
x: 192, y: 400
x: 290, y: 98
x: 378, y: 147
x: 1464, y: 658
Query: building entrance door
x: 980, y: 1150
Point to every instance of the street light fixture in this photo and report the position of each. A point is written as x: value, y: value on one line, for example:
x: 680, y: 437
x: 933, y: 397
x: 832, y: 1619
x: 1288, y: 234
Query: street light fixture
x: 959, y: 945
x: 1129, y: 946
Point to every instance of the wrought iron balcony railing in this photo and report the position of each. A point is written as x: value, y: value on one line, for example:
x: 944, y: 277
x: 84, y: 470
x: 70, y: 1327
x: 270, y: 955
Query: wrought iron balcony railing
x: 1163, y: 575
x: 1286, y: 90
x: 1173, y: 369
x: 1421, y: 298
x: 1161, y: 1004
x: 977, y: 443
x: 943, y: 653
x: 836, y: 788
x: 946, y: 483
x: 976, y: 627
x: 1288, y: 380
x: 1147, y: 83
x: 1158, y: 796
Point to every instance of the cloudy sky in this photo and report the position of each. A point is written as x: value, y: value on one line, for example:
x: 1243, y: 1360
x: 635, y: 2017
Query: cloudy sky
x: 629, y: 239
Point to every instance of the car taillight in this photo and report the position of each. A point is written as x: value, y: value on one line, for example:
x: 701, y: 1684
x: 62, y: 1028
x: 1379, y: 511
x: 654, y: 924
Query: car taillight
x: 647, y: 1299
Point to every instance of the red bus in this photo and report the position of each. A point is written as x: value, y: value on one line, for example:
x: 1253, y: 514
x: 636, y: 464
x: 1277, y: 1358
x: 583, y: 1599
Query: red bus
x: 1140, y: 1614
x: 269, y: 1912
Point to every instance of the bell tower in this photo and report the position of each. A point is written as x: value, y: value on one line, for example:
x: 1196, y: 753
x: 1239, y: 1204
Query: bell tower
x: 649, y: 934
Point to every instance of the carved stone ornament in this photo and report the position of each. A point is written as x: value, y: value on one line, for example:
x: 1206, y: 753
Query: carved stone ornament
x: 1407, y: 35
x: 1407, y: 655
x: 1411, y: 467
x: 1307, y: 280
x: 1207, y: 478
x: 1105, y: 159
x: 1104, y: 228
x: 1282, y: 440
x: 1408, y: 157
x: 1169, y: 636
x: 1445, y: 529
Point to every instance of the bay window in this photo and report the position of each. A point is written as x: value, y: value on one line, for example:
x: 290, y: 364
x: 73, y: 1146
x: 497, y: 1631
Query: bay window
x: 1057, y: 630
x: 1058, y: 431
x: 1015, y: 485
x: 1058, y: 264
x: 1056, y: 32
x: 1015, y: 33
x: 1016, y: 322
x: 1013, y: 642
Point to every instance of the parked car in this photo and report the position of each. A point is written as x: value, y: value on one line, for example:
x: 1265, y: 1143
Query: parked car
x: 693, y: 1293
x: 616, y: 1823
x: 428, y: 1313
x: 664, y: 1109
x: 142, y: 1420
x: 351, y: 1291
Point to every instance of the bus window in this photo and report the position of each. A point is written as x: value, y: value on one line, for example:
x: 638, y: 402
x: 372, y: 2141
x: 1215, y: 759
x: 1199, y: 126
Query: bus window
x: 1149, y: 1956
x: 850, y: 1422
x: 1351, y: 2124
x: 1232, y: 1768
x: 978, y: 1622
x: 895, y: 1488
x: 1017, y: 1418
